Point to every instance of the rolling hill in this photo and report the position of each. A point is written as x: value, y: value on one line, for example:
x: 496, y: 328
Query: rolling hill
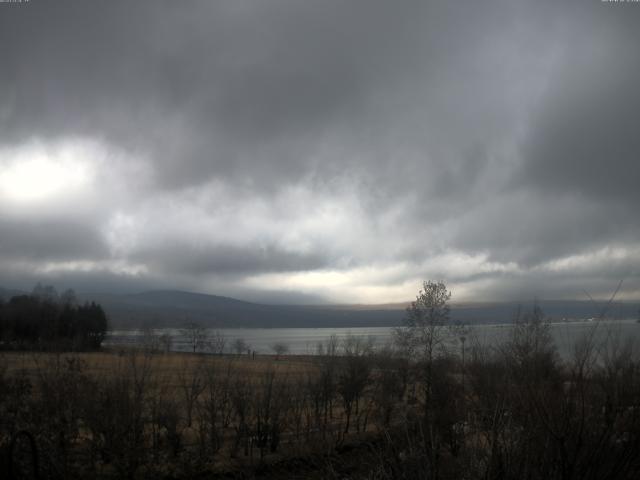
x: 175, y: 308
x: 172, y: 308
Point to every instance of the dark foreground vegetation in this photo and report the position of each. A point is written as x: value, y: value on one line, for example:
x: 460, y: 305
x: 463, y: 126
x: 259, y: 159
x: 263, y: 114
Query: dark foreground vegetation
x: 435, y: 405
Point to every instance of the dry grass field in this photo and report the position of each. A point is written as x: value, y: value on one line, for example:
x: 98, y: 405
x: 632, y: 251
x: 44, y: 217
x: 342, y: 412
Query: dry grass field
x: 358, y: 414
x: 126, y: 412
x: 167, y: 365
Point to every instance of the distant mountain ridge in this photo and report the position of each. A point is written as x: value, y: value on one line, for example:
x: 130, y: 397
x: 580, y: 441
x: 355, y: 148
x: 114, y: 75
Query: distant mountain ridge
x: 171, y: 308
x: 174, y: 308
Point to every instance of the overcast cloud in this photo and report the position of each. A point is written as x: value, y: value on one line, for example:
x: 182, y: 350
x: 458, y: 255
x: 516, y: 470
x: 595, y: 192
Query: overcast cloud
x: 321, y: 151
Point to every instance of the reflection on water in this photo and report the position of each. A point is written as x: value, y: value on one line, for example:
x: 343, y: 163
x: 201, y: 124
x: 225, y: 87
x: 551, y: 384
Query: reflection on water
x: 301, y: 341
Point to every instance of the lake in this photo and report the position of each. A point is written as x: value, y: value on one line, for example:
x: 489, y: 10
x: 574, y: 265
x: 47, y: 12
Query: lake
x: 303, y: 341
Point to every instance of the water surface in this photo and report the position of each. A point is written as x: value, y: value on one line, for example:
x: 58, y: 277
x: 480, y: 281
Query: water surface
x: 301, y: 341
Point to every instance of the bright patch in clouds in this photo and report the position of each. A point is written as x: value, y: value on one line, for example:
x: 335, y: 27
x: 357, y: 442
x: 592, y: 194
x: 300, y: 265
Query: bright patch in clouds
x: 357, y: 285
x: 116, y: 267
x: 387, y: 282
x: 38, y: 172
x: 595, y: 260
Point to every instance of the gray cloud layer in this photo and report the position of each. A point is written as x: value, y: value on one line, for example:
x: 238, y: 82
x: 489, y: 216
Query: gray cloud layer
x: 332, y: 150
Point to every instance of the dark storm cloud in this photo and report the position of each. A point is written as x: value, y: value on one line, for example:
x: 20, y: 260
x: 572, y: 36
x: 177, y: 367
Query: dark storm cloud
x: 244, y: 87
x: 53, y: 240
x: 533, y: 228
x: 584, y: 136
x: 94, y: 281
x: 215, y: 83
x: 273, y: 141
x: 581, y: 155
x: 230, y: 260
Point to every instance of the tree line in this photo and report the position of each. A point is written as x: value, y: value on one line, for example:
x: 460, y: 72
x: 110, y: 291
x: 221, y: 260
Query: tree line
x: 45, y: 319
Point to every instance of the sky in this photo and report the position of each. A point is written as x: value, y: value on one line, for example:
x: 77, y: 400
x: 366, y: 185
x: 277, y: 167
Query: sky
x: 334, y: 151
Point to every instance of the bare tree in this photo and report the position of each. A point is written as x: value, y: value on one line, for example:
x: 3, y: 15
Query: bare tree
x: 195, y: 335
x: 217, y: 343
x: 423, y: 331
x: 423, y: 337
x: 280, y: 348
x: 149, y: 340
x: 240, y: 346
x: 270, y: 401
x: 192, y: 384
x: 354, y: 375
x: 387, y: 385
x: 216, y: 408
x: 166, y: 341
